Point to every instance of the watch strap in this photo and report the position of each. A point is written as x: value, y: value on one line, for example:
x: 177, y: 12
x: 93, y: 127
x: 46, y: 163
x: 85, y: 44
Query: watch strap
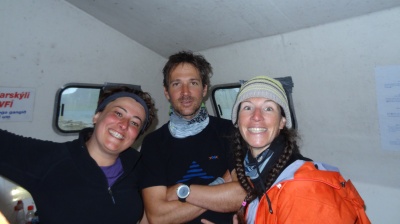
x: 182, y: 199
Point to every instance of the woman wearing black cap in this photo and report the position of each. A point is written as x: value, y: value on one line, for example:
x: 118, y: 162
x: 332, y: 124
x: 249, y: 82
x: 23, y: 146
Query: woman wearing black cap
x: 283, y: 186
x: 92, y: 179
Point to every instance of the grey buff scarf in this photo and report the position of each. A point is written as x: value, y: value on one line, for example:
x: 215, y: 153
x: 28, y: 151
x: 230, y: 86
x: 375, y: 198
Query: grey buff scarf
x: 180, y: 127
x: 257, y: 168
x: 252, y: 164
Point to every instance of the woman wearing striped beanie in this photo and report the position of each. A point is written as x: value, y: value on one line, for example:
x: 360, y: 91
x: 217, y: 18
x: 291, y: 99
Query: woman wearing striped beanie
x: 283, y: 186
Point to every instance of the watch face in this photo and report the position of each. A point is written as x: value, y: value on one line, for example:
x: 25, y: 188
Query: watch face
x: 183, y: 191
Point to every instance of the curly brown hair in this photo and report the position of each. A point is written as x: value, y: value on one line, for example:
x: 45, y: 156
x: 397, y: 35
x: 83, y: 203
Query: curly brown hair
x: 144, y: 95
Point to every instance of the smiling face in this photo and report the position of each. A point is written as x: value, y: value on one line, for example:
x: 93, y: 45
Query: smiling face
x: 116, y: 129
x: 259, y: 122
x: 185, y: 90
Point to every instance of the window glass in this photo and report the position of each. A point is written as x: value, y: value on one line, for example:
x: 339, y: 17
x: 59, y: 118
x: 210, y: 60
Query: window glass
x: 223, y: 98
x: 75, y: 105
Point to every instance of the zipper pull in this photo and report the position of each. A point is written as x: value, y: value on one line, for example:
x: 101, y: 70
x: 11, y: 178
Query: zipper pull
x: 111, y: 194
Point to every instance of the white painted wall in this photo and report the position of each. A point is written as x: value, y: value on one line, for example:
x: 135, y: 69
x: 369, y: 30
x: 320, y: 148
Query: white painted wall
x: 334, y: 93
x: 45, y: 44
x: 48, y: 43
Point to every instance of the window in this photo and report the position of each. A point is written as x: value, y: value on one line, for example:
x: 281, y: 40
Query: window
x: 75, y: 105
x: 223, y: 97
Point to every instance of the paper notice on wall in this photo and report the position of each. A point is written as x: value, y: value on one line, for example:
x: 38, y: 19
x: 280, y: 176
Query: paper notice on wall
x: 16, y: 104
x: 388, y: 96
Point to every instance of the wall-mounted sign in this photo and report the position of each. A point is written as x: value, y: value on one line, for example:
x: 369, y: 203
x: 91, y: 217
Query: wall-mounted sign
x: 16, y: 104
x: 388, y: 96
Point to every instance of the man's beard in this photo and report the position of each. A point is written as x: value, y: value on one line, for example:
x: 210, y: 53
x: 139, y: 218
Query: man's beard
x: 187, y: 98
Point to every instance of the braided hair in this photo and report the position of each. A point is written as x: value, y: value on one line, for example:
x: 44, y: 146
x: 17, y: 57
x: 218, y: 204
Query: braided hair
x: 240, y: 148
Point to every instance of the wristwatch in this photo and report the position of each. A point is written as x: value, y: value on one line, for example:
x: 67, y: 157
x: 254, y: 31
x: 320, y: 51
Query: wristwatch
x: 183, y: 192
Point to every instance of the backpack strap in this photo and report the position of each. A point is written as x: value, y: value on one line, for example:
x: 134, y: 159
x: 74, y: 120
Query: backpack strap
x: 350, y: 193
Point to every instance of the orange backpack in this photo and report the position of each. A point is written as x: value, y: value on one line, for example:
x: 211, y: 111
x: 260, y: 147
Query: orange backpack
x: 310, y: 196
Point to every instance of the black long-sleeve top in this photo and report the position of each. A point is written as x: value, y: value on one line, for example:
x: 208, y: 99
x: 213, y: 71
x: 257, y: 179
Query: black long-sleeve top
x: 67, y: 185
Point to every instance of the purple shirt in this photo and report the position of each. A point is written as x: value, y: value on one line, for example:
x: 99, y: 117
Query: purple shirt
x: 113, y: 172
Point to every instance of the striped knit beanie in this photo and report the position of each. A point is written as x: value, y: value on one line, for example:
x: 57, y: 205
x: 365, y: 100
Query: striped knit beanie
x: 263, y: 86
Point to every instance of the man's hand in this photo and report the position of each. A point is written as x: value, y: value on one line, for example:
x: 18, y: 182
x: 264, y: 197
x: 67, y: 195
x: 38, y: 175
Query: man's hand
x: 234, y: 219
x: 227, y: 176
x: 159, y: 210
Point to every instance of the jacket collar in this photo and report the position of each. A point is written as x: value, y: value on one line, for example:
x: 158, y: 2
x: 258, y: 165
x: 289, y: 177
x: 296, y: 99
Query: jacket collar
x: 88, y: 166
